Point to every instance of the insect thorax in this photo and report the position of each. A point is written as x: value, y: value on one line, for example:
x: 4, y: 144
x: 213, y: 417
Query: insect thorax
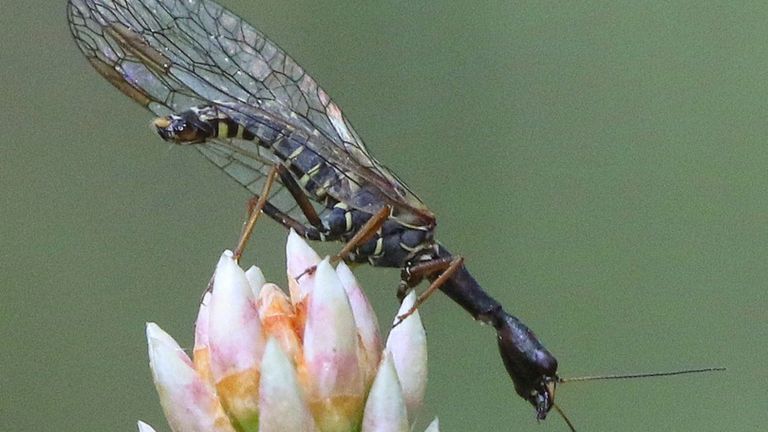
x: 393, y: 245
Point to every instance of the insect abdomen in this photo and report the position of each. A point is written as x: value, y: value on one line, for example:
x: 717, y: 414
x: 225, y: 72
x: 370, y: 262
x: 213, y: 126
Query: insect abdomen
x: 228, y: 128
x: 289, y: 146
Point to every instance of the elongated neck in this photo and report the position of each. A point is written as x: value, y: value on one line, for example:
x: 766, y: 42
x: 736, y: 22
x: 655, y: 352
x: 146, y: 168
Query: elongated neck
x: 529, y: 364
x: 464, y: 290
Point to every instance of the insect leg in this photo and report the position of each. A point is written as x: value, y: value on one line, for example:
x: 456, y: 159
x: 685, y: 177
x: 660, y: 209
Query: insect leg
x: 412, y: 275
x: 449, y: 268
x: 258, y: 204
x: 306, y: 231
x: 254, y: 211
x: 362, y: 235
x: 300, y: 197
x: 365, y: 233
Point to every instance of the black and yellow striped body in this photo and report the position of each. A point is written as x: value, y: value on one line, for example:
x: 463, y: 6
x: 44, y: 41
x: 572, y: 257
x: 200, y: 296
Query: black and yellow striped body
x: 395, y: 244
x: 199, y: 124
x: 284, y: 144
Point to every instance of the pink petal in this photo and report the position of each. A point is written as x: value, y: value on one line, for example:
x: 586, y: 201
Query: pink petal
x: 330, y: 353
x: 282, y: 404
x: 385, y: 408
x: 201, y: 354
x: 299, y: 257
x: 408, y: 344
x: 189, y: 402
x: 236, y: 342
x: 365, y: 320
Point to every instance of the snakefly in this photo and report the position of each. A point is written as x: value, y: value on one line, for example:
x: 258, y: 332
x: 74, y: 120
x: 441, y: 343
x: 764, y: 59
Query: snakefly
x: 219, y: 85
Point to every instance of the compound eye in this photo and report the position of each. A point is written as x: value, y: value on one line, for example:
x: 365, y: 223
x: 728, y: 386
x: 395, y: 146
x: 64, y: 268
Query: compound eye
x: 187, y: 132
x: 168, y: 127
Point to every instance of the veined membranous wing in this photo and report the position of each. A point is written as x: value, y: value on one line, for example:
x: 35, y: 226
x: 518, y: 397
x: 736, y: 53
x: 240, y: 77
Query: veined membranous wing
x: 173, y: 55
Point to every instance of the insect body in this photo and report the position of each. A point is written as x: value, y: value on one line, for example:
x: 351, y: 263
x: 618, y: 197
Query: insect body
x: 217, y: 84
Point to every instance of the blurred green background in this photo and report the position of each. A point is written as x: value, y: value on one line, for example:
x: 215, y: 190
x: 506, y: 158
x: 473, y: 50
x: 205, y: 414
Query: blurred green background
x: 601, y: 165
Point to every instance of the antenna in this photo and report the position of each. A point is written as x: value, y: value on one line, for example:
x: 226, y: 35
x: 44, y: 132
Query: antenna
x: 565, y: 417
x: 625, y: 376
x: 640, y: 375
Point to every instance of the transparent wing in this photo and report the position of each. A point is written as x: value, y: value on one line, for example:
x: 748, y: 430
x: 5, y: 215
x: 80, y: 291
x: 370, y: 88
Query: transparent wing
x: 170, y: 55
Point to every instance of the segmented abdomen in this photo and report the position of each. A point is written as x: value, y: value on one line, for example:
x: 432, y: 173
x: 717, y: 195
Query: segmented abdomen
x: 288, y: 145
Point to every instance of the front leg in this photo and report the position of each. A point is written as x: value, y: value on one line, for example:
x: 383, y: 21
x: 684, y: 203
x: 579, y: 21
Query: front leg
x: 447, y: 265
x: 254, y: 211
x: 365, y: 233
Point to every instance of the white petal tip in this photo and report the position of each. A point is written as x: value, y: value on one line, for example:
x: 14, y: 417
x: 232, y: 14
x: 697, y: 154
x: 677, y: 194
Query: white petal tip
x: 434, y: 426
x: 151, y: 328
x: 256, y: 279
x: 385, y: 408
x: 155, y: 334
x: 300, y: 255
x: 206, y: 299
x: 143, y: 427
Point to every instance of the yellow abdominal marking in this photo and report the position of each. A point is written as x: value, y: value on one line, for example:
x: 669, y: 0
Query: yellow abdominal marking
x: 308, y: 176
x: 223, y: 129
x: 312, y: 171
x: 296, y: 153
x: 348, y: 220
